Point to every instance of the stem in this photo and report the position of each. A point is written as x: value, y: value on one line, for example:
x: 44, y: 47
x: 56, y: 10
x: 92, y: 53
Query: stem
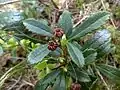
x: 58, y: 66
x: 33, y: 39
x: 101, y: 77
x: 54, y: 4
x: 2, y: 39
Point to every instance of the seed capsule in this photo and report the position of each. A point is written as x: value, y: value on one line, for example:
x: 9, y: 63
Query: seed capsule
x: 75, y: 86
x: 52, y: 45
x: 58, y: 32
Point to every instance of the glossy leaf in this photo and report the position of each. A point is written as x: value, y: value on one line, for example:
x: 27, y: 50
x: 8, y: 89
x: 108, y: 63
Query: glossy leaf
x: 4, y: 1
x: 60, y: 83
x: 56, y: 53
x: 41, y: 65
x: 77, y: 45
x: 110, y: 72
x: 76, y: 55
x: 91, y: 24
x: 82, y: 76
x: 43, y: 83
x: 38, y: 54
x: 90, y: 56
x: 10, y: 17
x: 65, y: 22
x: 40, y: 86
x: 37, y: 27
x: 100, y: 41
x: 1, y: 51
x: 50, y: 77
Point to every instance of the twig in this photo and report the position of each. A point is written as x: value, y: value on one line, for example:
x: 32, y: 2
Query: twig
x: 10, y: 72
x: 54, y: 4
x: 18, y: 58
x: 101, y: 78
x: 80, y: 21
x: 103, y: 4
x: 66, y: 4
x: 21, y: 86
x: 58, y: 66
x: 110, y: 18
x: 28, y: 83
x: 15, y: 83
x: 9, y: 2
x: 2, y: 38
x: 54, y: 19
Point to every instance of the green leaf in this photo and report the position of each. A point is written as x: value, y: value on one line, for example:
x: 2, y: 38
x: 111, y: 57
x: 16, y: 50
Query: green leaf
x: 38, y: 27
x: 110, y: 72
x: 76, y: 55
x: 63, y: 41
x: 65, y: 22
x: 38, y: 54
x: 90, y: 59
x: 60, y: 83
x: 43, y: 83
x: 42, y: 74
x: 77, y: 45
x: 100, y: 41
x: 1, y: 51
x: 40, y: 86
x: 90, y: 56
x: 44, y: 21
x: 10, y: 17
x: 50, y: 77
x: 82, y: 76
x: 41, y: 65
x: 91, y: 24
x: 55, y: 53
x: 4, y: 1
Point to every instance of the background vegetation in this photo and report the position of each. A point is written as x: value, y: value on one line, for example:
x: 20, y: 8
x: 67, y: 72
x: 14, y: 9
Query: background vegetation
x: 17, y: 41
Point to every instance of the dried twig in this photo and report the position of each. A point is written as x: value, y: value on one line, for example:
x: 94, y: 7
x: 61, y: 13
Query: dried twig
x: 54, y: 4
x: 28, y: 83
x: 101, y: 77
x: 110, y: 18
x: 21, y: 86
x: 80, y: 21
x: 17, y: 81
x: 9, y: 2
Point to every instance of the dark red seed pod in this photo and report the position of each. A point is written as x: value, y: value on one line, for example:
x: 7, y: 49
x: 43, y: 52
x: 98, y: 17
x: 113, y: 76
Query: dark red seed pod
x: 49, y: 47
x: 52, y: 45
x: 75, y: 86
x: 58, y: 32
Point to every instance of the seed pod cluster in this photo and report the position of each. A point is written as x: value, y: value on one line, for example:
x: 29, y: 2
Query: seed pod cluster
x: 58, y: 32
x: 75, y: 86
x: 52, y: 45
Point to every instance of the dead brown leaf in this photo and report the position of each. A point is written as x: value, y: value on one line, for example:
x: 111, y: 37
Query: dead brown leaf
x: 3, y: 59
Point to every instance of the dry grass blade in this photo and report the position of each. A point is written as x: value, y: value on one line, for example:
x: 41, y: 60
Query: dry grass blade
x: 9, y: 2
x: 10, y: 72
